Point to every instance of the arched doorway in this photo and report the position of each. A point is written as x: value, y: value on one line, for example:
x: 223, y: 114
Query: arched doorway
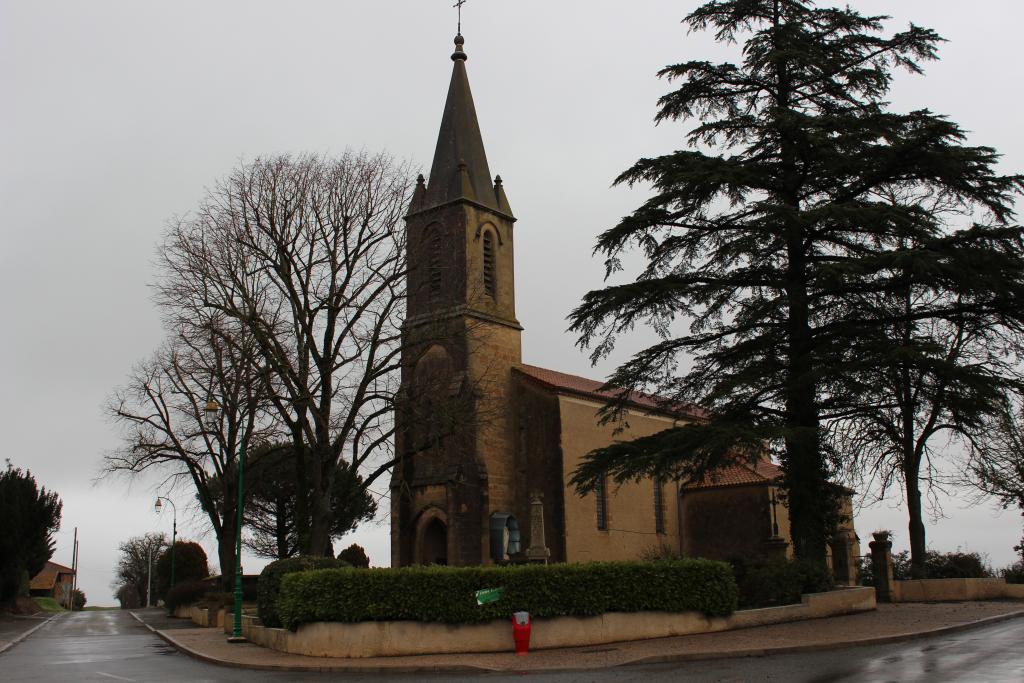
x: 434, y: 543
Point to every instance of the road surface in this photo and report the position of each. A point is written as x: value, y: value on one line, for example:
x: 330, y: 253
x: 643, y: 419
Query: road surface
x: 113, y: 646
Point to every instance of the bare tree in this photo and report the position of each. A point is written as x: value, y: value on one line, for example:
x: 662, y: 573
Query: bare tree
x: 307, y: 254
x: 996, y: 464
x: 162, y: 412
x: 134, y: 567
x: 932, y: 374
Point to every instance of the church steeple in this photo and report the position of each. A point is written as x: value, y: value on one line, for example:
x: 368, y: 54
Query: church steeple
x: 459, y: 170
x: 461, y: 340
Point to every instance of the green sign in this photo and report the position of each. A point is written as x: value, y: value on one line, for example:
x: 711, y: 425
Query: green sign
x: 489, y: 595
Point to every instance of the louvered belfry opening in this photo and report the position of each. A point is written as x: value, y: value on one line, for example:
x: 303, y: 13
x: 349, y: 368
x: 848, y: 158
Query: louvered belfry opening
x: 489, y: 274
x: 434, y: 263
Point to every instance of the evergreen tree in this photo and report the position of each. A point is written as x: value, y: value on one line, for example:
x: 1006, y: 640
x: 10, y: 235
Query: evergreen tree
x: 763, y: 246
x: 29, y: 516
x: 271, y: 503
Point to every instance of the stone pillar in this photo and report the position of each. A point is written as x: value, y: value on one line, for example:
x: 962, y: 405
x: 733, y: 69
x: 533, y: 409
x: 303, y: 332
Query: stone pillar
x: 775, y: 548
x: 881, y: 566
x: 538, y: 551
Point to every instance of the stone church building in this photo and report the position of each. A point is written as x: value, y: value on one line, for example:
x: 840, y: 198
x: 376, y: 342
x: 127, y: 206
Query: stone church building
x: 486, y: 442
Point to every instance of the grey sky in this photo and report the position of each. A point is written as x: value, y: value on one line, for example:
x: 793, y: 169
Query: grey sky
x: 116, y: 114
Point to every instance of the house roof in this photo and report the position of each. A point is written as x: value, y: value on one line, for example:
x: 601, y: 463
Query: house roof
x: 48, y: 575
x: 760, y: 472
x: 589, y: 388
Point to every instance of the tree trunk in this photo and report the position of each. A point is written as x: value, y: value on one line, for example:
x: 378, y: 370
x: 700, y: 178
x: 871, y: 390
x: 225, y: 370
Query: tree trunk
x: 226, y: 549
x: 281, y: 530
x: 806, y: 483
x: 916, y: 527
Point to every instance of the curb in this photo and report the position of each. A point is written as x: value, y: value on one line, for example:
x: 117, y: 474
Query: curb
x: 26, y: 634
x: 314, y: 669
x: 821, y: 647
x: 656, y: 659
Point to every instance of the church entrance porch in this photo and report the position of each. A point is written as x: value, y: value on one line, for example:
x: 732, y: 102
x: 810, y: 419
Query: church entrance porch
x: 432, y: 541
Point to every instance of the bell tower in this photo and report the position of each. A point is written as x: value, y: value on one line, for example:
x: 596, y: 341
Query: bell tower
x: 461, y: 339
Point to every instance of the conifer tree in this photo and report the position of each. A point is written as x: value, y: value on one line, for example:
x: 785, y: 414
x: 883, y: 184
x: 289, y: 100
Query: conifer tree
x: 761, y: 235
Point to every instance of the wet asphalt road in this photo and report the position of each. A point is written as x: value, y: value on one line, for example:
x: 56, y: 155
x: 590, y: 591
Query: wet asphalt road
x: 112, y: 646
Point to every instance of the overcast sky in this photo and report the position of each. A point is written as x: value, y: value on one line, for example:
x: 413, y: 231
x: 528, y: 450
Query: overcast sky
x: 116, y: 115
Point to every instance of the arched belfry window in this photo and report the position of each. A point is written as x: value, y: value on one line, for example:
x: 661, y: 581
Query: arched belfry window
x: 490, y: 288
x: 434, y: 275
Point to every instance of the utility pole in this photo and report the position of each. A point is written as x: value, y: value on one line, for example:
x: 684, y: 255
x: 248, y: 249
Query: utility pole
x: 69, y: 599
x: 149, y: 577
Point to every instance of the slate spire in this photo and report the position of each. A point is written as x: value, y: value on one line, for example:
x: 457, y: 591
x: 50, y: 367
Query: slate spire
x: 460, y: 170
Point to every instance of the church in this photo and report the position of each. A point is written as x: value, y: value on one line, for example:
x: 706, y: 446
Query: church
x: 486, y: 443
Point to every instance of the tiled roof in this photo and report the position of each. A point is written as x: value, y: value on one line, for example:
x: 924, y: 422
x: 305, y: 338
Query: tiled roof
x: 760, y: 472
x: 590, y: 388
x: 47, y: 577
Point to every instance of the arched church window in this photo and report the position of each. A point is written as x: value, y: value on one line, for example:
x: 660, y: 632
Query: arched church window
x: 490, y: 288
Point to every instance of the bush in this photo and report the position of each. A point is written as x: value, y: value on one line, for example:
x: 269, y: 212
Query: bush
x: 766, y: 583
x: 185, y: 593
x: 77, y: 600
x: 128, y: 596
x: 1013, y: 573
x: 189, y: 565
x: 355, y: 556
x: 954, y: 565
x: 447, y: 594
x: 270, y: 582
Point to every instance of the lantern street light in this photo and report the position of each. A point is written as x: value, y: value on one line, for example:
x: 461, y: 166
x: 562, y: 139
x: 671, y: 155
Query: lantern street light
x: 212, y: 411
x: 158, y: 507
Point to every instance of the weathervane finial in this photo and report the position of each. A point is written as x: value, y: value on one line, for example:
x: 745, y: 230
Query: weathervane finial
x: 458, y: 5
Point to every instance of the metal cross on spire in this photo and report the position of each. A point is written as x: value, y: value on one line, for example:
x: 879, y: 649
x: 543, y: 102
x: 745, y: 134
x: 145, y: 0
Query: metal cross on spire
x: 459, y: 5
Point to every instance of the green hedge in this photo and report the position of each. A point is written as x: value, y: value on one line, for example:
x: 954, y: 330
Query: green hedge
x: 270, y: 582
x: 447, y: 594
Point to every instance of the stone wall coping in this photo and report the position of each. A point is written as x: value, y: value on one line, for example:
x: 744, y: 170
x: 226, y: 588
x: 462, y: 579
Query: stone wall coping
x: 399, y: 638
x: 954, y: 590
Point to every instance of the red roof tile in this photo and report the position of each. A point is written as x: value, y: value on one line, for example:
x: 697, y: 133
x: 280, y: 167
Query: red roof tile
x: 590, y: 388
x: 760, y: 472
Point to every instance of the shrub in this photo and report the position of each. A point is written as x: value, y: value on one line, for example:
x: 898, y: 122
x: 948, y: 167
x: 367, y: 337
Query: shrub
x: 189, y: 565
x: 185, y: 593
x: 766, y: 583
x: 954, y: 565
x: 128, y: 596
x: 270, y: 582
x: 355, y: 556
x: 447, y: 594
x: 77, y: 600
x: 1013, y: 573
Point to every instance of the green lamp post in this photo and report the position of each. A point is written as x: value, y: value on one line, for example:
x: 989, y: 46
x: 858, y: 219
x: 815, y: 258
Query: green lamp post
x: 158, y: 507
x: 212, y: 411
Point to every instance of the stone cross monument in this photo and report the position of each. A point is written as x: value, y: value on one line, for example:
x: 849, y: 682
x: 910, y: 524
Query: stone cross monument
x: 538, y: 551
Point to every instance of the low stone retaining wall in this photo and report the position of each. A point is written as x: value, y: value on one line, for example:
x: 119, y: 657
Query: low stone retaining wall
x: 396, y: 638
x: 950, y: 590
x: 202, y: 616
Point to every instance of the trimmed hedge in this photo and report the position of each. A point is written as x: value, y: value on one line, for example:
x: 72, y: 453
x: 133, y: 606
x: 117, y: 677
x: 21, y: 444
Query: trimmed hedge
x: 447, y: 594
x: 270, y: 582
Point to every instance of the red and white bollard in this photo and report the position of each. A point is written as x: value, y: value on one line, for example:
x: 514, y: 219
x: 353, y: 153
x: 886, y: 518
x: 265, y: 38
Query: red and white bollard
x: 521, y: 632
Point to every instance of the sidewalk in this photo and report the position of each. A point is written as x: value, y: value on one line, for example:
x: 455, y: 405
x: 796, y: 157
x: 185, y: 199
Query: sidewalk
x: 888, y: 623
x: 15, y: 628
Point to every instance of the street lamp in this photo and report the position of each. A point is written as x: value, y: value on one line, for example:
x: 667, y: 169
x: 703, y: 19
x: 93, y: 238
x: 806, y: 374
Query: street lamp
x: 174, y: 534
x: 212, y: 415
